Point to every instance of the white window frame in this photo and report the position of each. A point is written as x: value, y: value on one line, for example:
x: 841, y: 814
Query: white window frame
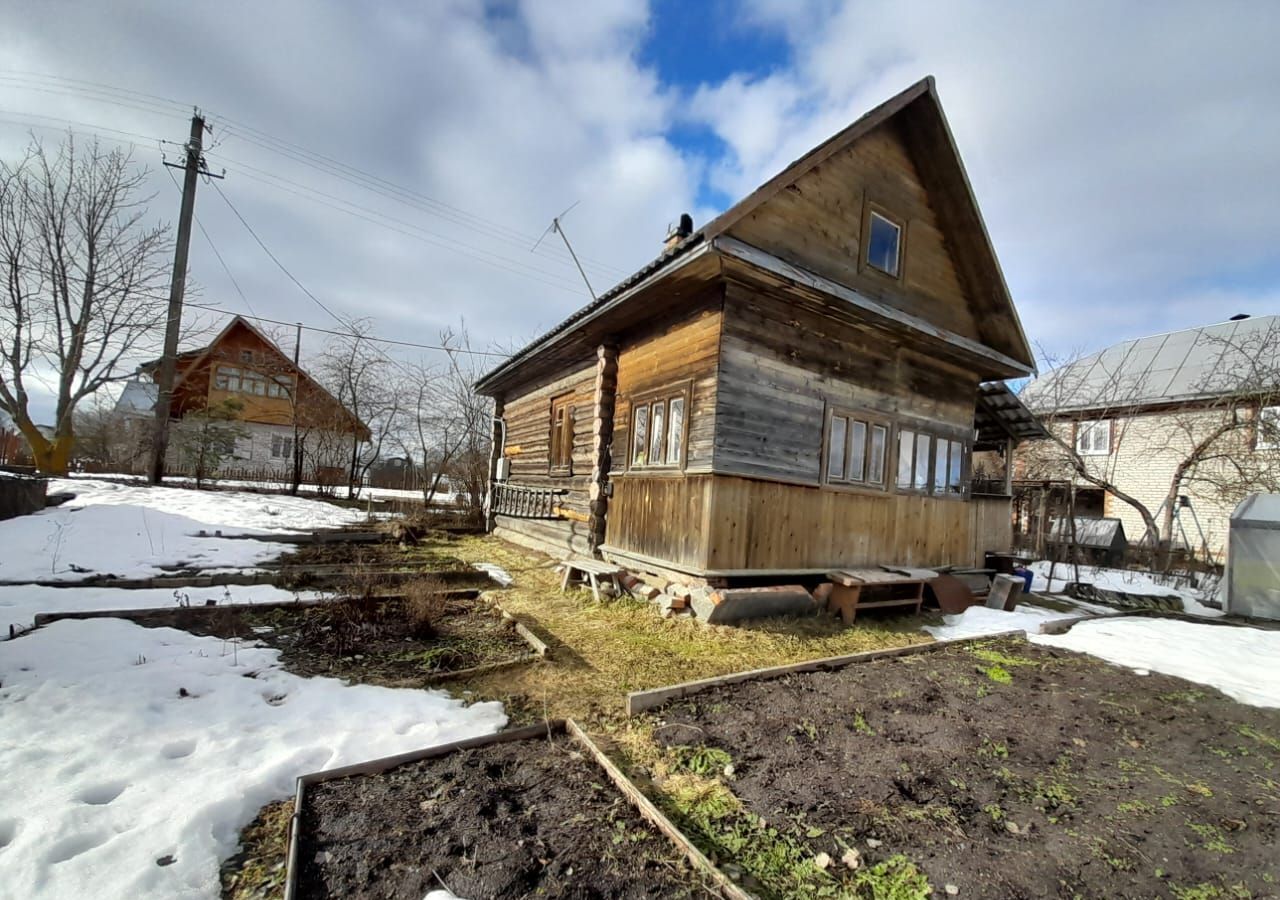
x: 1270, y: 414
x: 1089, y: 428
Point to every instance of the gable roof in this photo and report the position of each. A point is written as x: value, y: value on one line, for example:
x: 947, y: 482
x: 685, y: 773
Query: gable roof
x: 919, y: 108
x: 199, y: 355
x: 1190, y: 365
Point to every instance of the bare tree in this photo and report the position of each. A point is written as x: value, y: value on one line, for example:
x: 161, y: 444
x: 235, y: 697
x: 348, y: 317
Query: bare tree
x: 363, y: 380
x: 84, y: 280
x: 450, y: 422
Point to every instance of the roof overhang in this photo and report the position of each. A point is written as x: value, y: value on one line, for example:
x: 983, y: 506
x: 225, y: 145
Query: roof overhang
x: 1000, y: 416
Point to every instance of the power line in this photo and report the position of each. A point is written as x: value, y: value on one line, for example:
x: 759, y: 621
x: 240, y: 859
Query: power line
x: 350, y: 327
x: 214, y: 248
x: 347, y: 334
x: 275, y: 260
x: 131, y: 99
x: 77, y: 279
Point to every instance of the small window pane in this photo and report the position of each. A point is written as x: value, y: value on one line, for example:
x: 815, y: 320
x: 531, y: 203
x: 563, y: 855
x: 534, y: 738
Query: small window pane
x: 641, y: 441
x: 857, y: 449
x: 835, y: 448
x: 906, y: 454
x: 921, y: 480
x: 882, y: 245
x: 941, y: 456
x: 875, y: 459
x: 657, y: 436
x: 957, y: 467
x: 675, y: 432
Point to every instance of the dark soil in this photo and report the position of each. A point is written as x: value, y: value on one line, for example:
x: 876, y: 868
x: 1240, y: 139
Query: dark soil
x: 371, y: 641
x: 521, y: 819
x: 1005, y: 769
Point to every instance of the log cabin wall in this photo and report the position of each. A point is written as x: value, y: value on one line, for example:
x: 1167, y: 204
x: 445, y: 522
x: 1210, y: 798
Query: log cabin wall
x: 528, y: 447
x: 783, y: 367
x: 660, y: 511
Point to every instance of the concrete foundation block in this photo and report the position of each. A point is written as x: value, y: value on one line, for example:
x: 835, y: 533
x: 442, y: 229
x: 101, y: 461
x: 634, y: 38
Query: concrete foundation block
x: 726, y: 606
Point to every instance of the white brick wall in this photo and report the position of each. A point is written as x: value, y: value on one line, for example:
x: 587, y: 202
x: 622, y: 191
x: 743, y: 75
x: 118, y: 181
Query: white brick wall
x: 1145, y: 451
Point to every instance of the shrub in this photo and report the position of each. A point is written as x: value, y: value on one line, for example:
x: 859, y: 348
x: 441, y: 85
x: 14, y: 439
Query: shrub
x: 424, y: 604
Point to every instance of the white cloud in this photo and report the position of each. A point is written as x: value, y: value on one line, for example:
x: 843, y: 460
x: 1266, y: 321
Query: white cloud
x: 1122, y: 155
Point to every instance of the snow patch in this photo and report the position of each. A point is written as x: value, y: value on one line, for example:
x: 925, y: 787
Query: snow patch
x: 1241, y: 662
x: 132, y: 757
x: 496, y: 572
x: 977, y: 621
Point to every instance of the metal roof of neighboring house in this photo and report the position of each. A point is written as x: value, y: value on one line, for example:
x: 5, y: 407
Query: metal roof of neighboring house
x: 137, y: 397
x: 1090, y: 532
x: 1192, y: 364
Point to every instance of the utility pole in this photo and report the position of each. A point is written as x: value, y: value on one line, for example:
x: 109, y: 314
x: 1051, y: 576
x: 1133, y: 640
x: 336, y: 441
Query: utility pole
x: 295, y: 480
x: 194, y: 165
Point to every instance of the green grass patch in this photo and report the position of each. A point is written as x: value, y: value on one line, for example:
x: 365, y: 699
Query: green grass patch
x: 704, y: 761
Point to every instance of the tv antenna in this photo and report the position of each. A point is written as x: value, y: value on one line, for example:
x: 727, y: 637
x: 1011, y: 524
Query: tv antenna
x: 559, y: 229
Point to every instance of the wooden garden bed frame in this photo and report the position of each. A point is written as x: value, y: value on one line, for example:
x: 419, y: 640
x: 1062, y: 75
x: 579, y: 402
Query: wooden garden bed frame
x: 725, y: 887
x: 640, y: 701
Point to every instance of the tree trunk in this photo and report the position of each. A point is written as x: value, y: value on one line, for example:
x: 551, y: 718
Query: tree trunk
x: 52, y: 457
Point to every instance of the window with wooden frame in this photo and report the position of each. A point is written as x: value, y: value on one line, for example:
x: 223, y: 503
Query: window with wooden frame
x: 1266, y: 433
x: 931, y: 464
x: 659, y: 424
x: 857, y: 446
x: 884, y: 242
x: 1093, y: 438
x: 562, y: 433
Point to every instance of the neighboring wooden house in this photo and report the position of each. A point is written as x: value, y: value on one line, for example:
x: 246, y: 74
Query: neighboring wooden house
x: 1200, y: 406
x: 274, y: 400
x: 788, y: 389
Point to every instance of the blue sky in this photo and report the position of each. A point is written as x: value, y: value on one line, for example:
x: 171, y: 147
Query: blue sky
x: 1127, y: 174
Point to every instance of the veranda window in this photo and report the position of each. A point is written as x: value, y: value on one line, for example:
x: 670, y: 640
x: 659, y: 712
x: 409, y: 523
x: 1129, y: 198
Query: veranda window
x: 855, y: 450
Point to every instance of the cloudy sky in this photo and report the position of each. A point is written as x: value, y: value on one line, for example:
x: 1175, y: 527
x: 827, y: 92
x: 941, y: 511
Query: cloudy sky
x: 401, y: 158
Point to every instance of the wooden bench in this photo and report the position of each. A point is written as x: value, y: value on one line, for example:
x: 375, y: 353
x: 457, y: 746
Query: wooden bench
x: 848, y: 584
x: 590, y: 571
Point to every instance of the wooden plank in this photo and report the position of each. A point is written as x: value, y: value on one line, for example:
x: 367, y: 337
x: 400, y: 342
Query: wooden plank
x: 639, y: 701
x: 657, y: 818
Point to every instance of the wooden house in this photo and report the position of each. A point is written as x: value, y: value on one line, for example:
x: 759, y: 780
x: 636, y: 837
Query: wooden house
x: 275, y: 401
x: 790, y: 388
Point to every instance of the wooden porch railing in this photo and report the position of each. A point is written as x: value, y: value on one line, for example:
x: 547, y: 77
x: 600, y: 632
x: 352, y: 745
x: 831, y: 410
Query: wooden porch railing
x: 526, y: 502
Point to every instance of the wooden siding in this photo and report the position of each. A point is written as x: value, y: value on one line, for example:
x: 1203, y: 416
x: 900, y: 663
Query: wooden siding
x: 730, y: 525
x: 662, y: 517
x: 818, y: 223
x: 782, y: 362
x: 528, y: 438
x: 684, y: 351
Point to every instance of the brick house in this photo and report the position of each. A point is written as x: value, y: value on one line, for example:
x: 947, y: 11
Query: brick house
x: 1191, y: 414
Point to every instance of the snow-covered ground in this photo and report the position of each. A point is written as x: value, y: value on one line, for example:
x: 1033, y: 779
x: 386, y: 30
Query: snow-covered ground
x: 1123, y: 580
x: 234, y: 512
x: 130, y: 758
x: 132, y: 531
x: 1243, y: 663
x: 19, y: 603
x: 977, y: 621
x: 444, y: 497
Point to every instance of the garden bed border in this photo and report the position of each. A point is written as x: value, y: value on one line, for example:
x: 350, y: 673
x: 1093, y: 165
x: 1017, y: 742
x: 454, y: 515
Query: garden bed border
x: 640, y: 701
x: 701, y: 864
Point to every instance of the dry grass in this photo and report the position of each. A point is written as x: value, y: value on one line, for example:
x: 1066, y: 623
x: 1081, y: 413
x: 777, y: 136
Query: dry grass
x: 424, y: 605
x: 601, y: 652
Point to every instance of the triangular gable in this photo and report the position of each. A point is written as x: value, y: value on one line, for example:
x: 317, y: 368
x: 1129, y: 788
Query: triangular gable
x: 825, y: 189
x: 199, y: 361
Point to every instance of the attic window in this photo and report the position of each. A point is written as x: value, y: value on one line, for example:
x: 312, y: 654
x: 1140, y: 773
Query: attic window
x: 884, y: 244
